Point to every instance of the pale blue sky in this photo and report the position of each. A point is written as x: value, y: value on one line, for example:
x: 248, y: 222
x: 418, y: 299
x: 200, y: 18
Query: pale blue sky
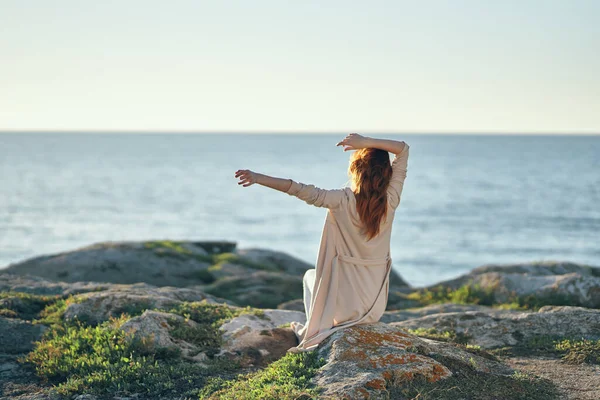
x: 343, y: 66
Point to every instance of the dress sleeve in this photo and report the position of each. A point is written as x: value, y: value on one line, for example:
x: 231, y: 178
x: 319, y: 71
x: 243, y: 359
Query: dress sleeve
x: 399, y: 167
x: 316, y: 196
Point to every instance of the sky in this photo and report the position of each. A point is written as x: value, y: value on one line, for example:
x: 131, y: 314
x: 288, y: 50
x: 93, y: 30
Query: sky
x: 510, y: 66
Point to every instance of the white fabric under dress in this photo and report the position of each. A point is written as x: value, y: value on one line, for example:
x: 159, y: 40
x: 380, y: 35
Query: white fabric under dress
x: 350, y: 282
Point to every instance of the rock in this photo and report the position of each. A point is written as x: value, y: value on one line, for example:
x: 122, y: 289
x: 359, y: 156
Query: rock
x: 156, y: 330
x: 157, y: 263
x: 250, y: 339
x: 261, y: 289
x: 410, y: 313
x: 280, y: 261
x: 293, y: 305
x: 256, y: 341
x: 17, y: 336
x: 96, y: 307
x: 224, y: 270
x: 510, y: 328
x: 558, y: 283
x: 36, y: 285
x: 397, y: 299
x: 212, y: 247
x: 362, y: 359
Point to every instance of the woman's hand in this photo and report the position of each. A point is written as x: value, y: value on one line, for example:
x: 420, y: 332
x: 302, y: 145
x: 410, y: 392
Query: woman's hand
x: 247, y: 177
x: 354, y: 141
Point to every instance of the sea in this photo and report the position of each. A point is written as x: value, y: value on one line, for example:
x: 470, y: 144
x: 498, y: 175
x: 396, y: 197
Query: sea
x: 468, y: 200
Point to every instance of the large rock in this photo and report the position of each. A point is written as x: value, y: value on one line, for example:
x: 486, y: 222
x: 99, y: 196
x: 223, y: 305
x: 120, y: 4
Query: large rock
x: 157, y: 263
x: 294, y: 305
x: 363, y: 358
x: 40, y: 286
x: 417, y: 312
x: 96, y: 307
x: 250, y: 339
x: 156, y: 330
x: 262, y: 289
x: 18, y: 336
x: 510, y: 328
x: 557, y: 283
x: 276, y: 259
x: 257, y: 341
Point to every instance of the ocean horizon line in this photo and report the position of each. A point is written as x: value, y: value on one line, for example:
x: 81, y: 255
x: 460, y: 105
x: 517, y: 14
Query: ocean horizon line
x: 288, y: 132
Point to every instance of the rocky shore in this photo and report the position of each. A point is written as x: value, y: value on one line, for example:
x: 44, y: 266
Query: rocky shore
x: 206, y: 320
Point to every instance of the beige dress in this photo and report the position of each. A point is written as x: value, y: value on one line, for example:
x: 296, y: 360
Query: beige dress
x: 350, y: 283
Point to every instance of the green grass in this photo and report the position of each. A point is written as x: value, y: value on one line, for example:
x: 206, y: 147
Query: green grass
x: 287, y: 378
x: 106, y: 361
x: 101, y: 359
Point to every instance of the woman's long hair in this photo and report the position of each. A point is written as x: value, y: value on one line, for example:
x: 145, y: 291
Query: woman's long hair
x: 370, y: 171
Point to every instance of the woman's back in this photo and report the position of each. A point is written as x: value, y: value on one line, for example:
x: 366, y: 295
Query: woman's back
x: 352, y: 241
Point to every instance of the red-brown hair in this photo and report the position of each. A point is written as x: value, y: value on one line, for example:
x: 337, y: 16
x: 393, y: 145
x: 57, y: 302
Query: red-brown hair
x: 370, y: 170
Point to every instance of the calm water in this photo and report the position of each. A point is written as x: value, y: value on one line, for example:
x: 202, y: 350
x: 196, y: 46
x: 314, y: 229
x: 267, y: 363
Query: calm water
x: 467, y: 201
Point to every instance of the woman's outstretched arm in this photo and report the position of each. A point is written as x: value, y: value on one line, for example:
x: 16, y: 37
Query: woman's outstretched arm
x: 308, y: 193
x: 248, y: 178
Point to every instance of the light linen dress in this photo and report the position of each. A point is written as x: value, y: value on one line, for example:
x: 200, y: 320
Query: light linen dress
x: 350, y: 283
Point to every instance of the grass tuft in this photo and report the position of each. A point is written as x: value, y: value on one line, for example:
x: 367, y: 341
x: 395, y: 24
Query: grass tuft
x: 287, y: 378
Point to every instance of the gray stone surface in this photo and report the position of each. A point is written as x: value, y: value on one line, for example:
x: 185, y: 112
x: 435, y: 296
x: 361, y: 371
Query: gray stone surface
x: 510, y: 328
x: 360, y: 359
x: 570, y: 283
x: 17, y: 336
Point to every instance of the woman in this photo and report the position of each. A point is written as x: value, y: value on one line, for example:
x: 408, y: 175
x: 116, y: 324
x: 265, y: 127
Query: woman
x: 350, y: 283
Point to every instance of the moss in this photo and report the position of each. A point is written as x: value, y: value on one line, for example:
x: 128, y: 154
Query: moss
x: 286, y: 325
x: 25, y: 305
x: 208, y: 336
x: 287, y: 378
x: 466, y: 294
x: 470, y: 293
x: 134, y: 308
x: 169, y: 248
x: 468, y: 383
x: 232, y: 258
x: 574, y: 350
x: 205, y: 337
x: 272, y: 290
x: 6, y: 313
x: 203, y: 275
x: 579, y: 351
x: 444, y: 336
x: 535, y: 301
x: 459, y: 340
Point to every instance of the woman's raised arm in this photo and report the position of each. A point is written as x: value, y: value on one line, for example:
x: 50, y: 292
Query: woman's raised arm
x: 354, y: 141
